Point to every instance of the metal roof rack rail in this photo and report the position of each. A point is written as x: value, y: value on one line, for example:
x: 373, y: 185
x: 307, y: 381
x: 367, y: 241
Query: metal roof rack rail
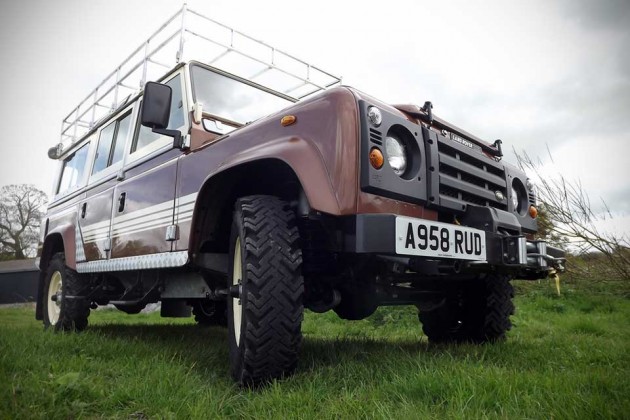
x: 190, y: 35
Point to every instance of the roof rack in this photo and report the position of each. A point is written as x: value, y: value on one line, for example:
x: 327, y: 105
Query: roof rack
x: 187, y: 35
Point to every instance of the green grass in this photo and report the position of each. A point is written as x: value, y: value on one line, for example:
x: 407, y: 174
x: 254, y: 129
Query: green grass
x: 567, y: 357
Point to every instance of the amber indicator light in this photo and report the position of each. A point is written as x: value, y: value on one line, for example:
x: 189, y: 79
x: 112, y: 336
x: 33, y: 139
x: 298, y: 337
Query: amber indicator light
x: 288, y: 120
x: 533, y: 212
x: 376, y: 158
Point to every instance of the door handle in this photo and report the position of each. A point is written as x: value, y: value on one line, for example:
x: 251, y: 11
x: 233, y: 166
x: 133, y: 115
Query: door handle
x: 83, y: 210
x: 121, y: 202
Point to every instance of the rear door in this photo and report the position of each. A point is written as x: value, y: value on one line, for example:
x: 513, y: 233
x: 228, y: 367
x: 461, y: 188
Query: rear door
x: 95, y: 211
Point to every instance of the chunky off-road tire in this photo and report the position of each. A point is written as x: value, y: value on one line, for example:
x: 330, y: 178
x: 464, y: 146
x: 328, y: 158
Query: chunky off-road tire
x: 64, y: 314
x: 478, y: 311
x: 264, y: 321
x: 210, y: 312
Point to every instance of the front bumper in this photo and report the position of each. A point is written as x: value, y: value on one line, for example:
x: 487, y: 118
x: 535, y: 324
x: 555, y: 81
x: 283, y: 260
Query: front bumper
x: 376, y: 234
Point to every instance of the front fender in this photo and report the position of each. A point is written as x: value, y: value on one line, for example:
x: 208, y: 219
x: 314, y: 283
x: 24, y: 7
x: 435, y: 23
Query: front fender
x: 321, y: 148
x: 306, y: 161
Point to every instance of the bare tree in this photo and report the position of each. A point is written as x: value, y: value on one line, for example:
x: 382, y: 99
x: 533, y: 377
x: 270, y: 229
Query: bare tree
x: 21, y: 211
x: 571, y: 218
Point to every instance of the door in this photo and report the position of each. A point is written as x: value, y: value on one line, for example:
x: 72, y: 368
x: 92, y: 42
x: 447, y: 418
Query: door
x: 143, y: 203
x: 95, y: 211
x: 143, y: 210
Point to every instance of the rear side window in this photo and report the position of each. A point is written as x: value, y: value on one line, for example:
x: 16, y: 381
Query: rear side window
x: 176, y: 120
x: 73, y: 170
x: 111, y: 143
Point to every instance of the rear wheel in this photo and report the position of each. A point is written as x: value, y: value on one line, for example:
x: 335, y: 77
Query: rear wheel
x: 478, y: 311
x: 265, y: 316
x: 61, y: 312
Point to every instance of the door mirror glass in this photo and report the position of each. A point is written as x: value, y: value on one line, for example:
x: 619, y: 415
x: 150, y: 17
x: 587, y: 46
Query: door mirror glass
x: 156, y: 105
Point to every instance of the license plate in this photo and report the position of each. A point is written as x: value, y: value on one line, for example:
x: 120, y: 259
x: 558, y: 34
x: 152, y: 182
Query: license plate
x: 433, y: 239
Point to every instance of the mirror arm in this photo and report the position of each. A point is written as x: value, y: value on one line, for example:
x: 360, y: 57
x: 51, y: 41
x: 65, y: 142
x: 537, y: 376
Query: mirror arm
x: 178, y: 139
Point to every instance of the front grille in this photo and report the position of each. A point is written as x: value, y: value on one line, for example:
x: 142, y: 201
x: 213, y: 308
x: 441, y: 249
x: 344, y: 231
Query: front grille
x: 532, y: 198
x: 467, y: 176
x: 376, y: 137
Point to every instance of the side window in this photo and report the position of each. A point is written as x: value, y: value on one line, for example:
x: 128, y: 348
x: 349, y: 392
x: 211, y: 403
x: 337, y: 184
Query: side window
x: 73, y: 169
x: 119, y: 144
x: 104, y: 144
x: 144, y: 134
x: 111, y: 143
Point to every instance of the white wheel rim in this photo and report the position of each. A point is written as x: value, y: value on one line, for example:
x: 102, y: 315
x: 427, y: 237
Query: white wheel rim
x: 54, y: 289
x: 237, y: 275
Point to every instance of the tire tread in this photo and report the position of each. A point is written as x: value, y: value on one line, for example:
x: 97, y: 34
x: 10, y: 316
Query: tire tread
x: 274, y: 311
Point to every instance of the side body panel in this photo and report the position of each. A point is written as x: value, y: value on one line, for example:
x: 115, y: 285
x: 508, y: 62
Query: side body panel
x: 143, y: 208
x: 322, y: 149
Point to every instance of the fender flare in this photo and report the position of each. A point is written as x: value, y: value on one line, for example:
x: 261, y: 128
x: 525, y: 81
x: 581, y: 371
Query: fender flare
x: 67, y: 233
x: 314, y: 177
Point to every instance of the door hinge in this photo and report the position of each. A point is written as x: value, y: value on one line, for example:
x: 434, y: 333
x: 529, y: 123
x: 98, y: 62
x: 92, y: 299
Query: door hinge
x: 186, y: 142
x: 172, y: 233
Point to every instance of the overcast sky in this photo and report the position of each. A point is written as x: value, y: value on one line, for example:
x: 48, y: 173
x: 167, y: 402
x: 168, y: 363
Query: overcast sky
x: 537, y: 74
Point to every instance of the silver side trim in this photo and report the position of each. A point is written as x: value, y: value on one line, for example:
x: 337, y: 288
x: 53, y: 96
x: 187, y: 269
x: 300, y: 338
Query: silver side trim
x: 78, y: 244
x: 141, y: 262
x: 156, y: 216
x: 96, y: 226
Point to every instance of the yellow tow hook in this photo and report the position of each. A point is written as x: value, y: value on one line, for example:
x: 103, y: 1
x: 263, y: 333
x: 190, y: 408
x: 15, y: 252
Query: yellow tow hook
x: 554, y: 275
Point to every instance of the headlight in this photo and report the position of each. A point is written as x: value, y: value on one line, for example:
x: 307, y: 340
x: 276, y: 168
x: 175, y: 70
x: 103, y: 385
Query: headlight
x: 396, y: 155
x: 515, y: 200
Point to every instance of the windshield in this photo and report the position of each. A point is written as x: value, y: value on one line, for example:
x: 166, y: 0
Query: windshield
x: 232, y: 99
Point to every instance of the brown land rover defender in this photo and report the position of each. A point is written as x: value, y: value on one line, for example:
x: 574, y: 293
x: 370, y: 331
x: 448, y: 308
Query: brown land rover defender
x: 220, y: 191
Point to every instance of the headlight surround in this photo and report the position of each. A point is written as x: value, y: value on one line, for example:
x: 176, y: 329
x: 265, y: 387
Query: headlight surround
x: 519, y: 197
x: 396, y: 155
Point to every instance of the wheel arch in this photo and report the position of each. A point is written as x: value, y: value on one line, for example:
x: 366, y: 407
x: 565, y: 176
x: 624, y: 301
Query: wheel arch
x: 56, y: 241
x: 215, y: 203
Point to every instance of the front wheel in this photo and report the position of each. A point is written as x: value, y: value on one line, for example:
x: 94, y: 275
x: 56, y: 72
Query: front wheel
x: 62, y: 311
x: 266, y: 310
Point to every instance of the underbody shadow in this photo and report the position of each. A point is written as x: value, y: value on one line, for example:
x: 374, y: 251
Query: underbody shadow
x: 207, y: 348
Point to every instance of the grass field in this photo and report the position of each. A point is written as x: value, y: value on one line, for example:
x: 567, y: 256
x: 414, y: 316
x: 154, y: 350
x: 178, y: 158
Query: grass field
x: 567, y: 357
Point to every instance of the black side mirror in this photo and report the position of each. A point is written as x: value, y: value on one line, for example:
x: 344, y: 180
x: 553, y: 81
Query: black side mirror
x: 156, y: 105
x: 156, y: 111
